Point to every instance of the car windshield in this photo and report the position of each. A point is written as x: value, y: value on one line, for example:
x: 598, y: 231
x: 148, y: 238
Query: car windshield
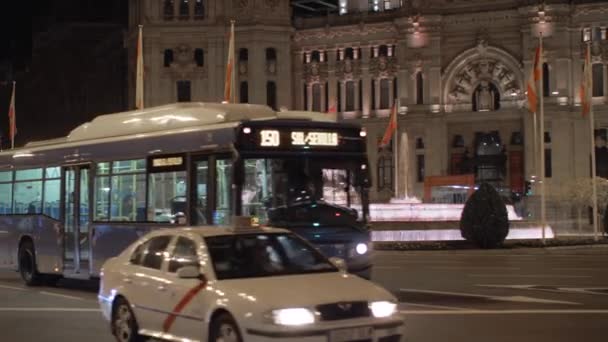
x: 264, y: 255
x: 289, y: 183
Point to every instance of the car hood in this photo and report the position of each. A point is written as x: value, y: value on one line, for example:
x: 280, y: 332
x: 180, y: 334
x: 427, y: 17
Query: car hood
x: 304, y: 290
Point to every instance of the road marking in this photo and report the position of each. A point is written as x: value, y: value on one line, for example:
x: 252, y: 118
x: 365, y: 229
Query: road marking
x: 504, y: 312
x: 60, y: 295
x: 520, y: 299
x: 434, y: 306
x: 528, y: 276
x: 49, y: 310
x: 12, y: 288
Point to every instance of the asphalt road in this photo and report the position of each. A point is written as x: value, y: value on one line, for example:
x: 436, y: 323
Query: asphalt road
x: 526, y: 295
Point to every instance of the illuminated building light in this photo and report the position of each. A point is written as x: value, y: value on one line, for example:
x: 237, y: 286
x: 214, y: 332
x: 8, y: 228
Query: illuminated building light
x: 411, y: 212
x: 454, y: 234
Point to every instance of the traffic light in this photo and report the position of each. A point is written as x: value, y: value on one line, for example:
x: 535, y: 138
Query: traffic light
x: 528, y: 188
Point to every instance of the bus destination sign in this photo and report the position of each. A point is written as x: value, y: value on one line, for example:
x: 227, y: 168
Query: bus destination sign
x: 272, y: 138
x: 167, y: 163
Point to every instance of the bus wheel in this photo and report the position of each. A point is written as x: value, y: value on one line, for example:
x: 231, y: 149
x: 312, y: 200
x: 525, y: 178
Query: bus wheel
x: 27, y: 264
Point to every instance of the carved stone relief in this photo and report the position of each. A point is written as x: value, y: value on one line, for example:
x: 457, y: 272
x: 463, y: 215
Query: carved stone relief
x: 315, y: 72
x: 348, y: 69
x: 383, y: 66
x: 482, y: 71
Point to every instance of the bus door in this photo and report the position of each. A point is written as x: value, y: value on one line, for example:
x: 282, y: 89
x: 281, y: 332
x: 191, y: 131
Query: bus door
x: 76, y: 198
x: 211, y: 190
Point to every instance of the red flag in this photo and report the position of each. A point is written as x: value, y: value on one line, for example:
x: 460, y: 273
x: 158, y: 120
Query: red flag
x: 12, y: 118
x: 533, y: 80
x: 391, y: 128
x: 139, y: 82
x: 229, y: 84
x: 332, y: 109
x: 585, y: 89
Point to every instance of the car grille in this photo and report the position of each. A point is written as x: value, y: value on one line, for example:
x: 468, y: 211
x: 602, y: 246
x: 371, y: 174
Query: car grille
x: 346, y: 310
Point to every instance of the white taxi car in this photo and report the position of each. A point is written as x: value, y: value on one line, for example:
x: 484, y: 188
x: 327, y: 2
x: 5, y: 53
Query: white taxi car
x: 229, y: 284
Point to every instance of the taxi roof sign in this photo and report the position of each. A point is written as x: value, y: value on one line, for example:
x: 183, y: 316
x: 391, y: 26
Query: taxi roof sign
x: 245, y: 223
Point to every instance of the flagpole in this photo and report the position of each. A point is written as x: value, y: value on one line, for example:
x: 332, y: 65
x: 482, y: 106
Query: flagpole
x: 233, y: 92
x: 589, y: 79
x: 139, y: 82
x: 541, y: 137
x: 396, y: 148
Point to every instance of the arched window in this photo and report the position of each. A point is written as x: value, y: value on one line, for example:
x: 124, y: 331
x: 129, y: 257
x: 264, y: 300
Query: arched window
x: 546, y: 87
x: 199, y: 57
x: 271, y: 94
x: 486, y: 97
x: 168, y: 58
x: 199, y: 9
x: 350, y: 96
x: 184, y: 9
x: 598, y: 79
x: 168, y: 9
x: 244, y: 92
x: 271, y: 54
x: 419, y: 88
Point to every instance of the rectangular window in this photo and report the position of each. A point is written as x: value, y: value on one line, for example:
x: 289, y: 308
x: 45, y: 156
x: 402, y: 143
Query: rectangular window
x: 28, y: 197
x: 167, y: 196
x: 598, y: 80
x: 6, y: 198
x: 101, y: 212
x: 223, y: 207
x: 129, y: 166
x: 52, y: 195
x: 128, y: 198
x: 52, y: 172
x: 420, y: 168
x: 184, y: 93
x: 28, y: 174
x: 384, y: 94
x: 548, y: 168
x: 316, y: 97
x: 350, y: 96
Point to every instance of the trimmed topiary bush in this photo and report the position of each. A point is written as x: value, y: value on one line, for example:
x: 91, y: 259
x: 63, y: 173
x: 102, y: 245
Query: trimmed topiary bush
x: 484, y: 220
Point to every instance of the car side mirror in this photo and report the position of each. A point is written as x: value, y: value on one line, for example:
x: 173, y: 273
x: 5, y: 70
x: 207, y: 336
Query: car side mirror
x: 339, y: 263
x: 189, y: 272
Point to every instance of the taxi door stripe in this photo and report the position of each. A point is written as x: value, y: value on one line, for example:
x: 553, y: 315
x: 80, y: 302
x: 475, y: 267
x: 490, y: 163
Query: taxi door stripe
x: 181, y: 305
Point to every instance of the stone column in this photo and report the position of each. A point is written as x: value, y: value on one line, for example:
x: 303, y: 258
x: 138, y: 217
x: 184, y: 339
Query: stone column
x: 322, y: 90
x: 391, y: 94
x: 309, y: 96
x: 331, y: 79
x: 343, y: 93
x: 365, y: 77
x: 377, y: 93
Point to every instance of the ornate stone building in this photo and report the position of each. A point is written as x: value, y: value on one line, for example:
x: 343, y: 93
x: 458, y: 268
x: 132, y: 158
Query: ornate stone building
x: 458, y: 69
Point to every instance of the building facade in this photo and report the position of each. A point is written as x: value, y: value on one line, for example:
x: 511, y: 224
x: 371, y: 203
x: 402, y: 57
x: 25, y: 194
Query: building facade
x: 457, y: 69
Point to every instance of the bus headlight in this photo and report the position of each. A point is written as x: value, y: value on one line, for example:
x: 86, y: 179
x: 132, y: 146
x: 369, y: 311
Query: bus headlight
x: 293, y: 316
x: 383, y: 309
x: 361, y: 248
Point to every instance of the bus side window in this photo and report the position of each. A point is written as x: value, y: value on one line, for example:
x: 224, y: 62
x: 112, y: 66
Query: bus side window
x: 223, y: 198
x: 200, y: 200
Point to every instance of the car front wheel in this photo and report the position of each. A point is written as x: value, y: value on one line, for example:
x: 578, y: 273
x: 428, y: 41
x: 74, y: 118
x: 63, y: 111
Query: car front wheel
x: 224, y: 329
x: 124, y: 325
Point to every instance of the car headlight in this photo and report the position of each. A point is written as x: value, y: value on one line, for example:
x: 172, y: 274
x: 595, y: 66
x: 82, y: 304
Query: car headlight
x: 383, y: 309
x: 293, y: 317
x: 361, y: 248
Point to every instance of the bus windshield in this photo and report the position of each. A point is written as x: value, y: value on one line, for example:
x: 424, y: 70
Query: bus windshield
x: 289, y: 190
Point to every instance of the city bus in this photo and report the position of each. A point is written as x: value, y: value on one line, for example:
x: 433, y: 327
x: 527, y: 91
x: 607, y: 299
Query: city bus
x: 69, y: 204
